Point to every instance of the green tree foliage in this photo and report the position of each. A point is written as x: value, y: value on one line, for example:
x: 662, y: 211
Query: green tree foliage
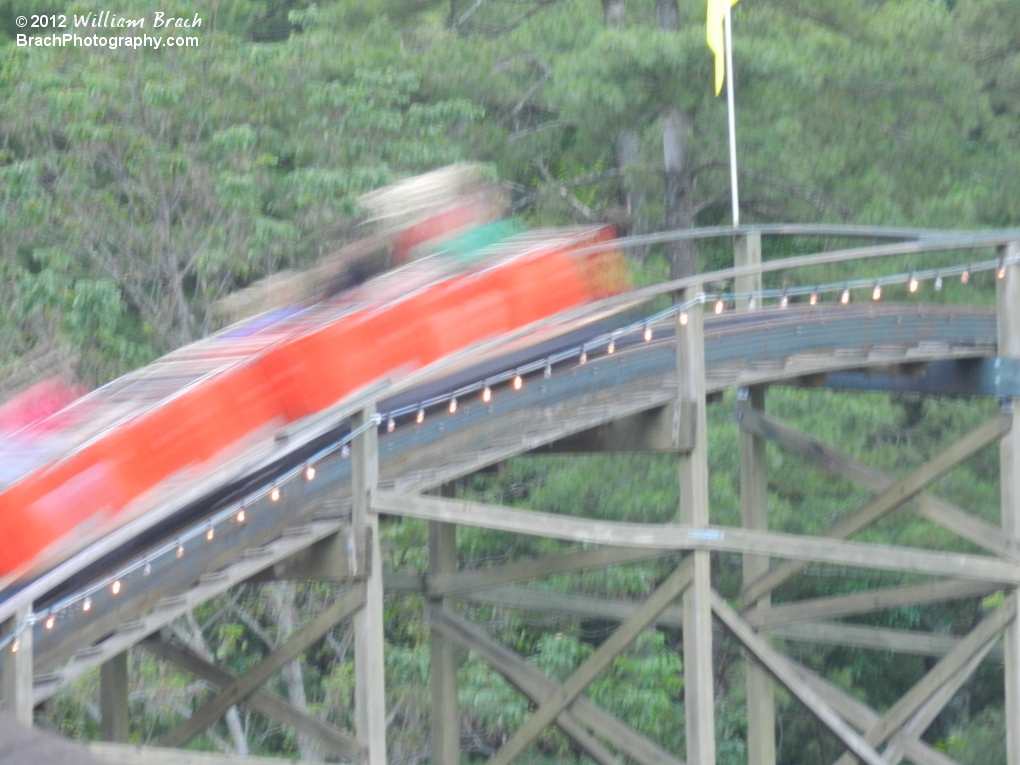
x: 145, y: 184
x: 137, y: 187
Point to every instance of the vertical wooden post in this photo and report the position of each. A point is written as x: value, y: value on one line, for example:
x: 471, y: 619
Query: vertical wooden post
x: 113, y: 699
x: 697, y: 612
x: 445, y: 710
x: 1009, y: 487
x: 369, y: 667
x: 747, y: 252
x: 16, y: 666
x: 761, y: 722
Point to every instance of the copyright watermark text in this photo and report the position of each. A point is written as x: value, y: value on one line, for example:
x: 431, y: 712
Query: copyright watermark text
x: 104, y: 29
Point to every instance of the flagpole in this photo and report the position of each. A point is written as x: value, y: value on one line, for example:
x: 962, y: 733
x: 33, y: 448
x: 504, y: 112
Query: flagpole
x: 734, y: 192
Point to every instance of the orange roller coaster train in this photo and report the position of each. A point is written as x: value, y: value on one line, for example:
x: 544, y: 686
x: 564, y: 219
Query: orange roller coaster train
x: 75, y: 472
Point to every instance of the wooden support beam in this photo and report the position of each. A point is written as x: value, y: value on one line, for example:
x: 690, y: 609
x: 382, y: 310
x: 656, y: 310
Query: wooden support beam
x: 613, y: 646
x: 925, y: 716
x: 530, y: 681
x: 874, y: 638
x: 905, y: 488
x: 16, y: 669
x: 113, y: 698
x: 1008, y: 303
x: 980, y: 638
x: 369, y: 664
x: 242, y: 687
x: 868, y: 600
x: 445, y: 711
x: 747, y: 255
x: 661, y: 430
x: 699, y: 698
x: 684, y: 537
x: 445, y: 583
x: 332, y: 739
x: 761, y: 716
x: 136, y: 754
x: 863, y: 717
x: 325, y: 561
x: 528, y: 599
x: 935, y: 509
x: 771, y: 660
x: 1011, y: 651
x: 859, y: 636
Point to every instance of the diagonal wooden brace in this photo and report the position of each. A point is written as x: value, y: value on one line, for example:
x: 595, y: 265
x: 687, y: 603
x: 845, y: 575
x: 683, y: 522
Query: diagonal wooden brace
x: 783, y: 674
x: 904, y: 489
x: 935, y: 509
x: 242, y: 687
x: 603, y: 656
x: 863, y: 716
x: 926, y: 715
x: 269, y: 704
x: 980, y: 638
x: 530, y: 681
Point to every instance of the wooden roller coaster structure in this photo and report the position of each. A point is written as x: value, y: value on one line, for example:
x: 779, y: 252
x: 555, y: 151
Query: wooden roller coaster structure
x: 641, y: 386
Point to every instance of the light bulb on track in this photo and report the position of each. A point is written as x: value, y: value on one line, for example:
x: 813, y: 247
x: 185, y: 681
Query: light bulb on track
x: 210, y: 534
x: 391, y: 425
x: 938, y: 282
x: 86, y: 604
x: 912, y: 285
x: 876, y: 292
x: 965, y: 276
x: 584, y: 357
x: 518, y: 382
x: 845, y: 297
x: 50, y: 621
x: 813, y: 300
x: 310, y: 473
x: 683, y: 318
x: 241, y: 517
x: 784, y: 301
x: 453, y: 405
x: 115, y: 587
x: 648, y: 333
x: 719, y: 306
x: 421, y: 416
x: 487, y: 394
x: 611, y: 347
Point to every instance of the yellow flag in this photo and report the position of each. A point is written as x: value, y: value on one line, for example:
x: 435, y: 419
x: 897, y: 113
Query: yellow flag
x: 714, y: 29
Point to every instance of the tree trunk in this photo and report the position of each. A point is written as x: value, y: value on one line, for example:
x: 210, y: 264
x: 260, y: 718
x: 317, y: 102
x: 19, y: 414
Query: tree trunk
x: 683, y: 256
x: 282, y: 596
x: 625, y: 155
x: 679, y: 192
x: 188, y: 631
x: 668, y: 14
x: 612, y: 12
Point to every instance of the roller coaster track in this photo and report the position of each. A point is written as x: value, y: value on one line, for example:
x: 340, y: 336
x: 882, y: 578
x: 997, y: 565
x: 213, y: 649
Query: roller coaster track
x: 948, y: 348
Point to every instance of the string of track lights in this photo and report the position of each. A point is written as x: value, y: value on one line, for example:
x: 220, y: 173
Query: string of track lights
x: 81, y: 601
x: 235, y: 513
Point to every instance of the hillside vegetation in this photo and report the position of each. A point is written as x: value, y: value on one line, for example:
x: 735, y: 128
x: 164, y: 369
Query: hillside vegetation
x: 139, y: 186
